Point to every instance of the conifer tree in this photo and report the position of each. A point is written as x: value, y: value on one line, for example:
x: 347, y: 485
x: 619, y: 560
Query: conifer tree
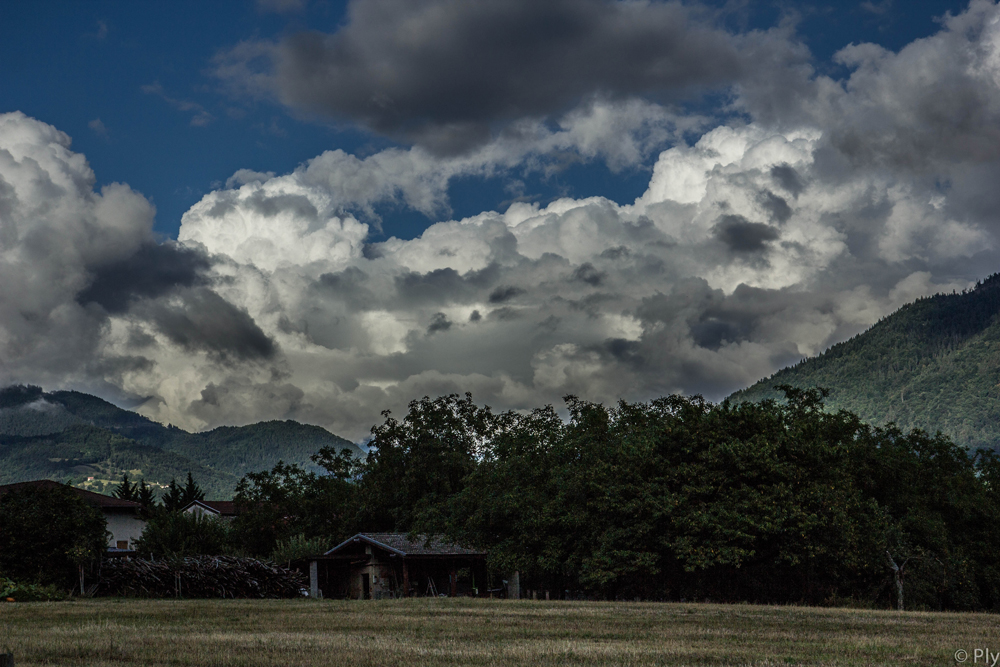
x: 145, y: 497
x: 173, y: 498
x: 126, y: 490
x: 191, y: 492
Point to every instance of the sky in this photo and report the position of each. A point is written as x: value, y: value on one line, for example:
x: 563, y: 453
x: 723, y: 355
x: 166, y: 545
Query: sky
x: 222, y: 213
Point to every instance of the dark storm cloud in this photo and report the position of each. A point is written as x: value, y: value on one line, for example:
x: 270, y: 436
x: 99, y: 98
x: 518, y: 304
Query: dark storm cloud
x: 443, y: 73
x: 742, y: 236
x: 450, y: 285
x: 505, y: 293
x: 439, y: 322
x: 777, y: 206
x: 200, y: 319
x: 789, y: 179
x: 624, y: 351
x: 8, y: 200
x: 152, y: 271
x: 431, y: 286
x: 712, y: 333
x: 588, y: 274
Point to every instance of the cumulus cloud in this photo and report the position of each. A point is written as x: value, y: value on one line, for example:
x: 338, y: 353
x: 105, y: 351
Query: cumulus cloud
x: 54, y: 230
x: 89, y: 296
x: 758, y: 242
x: 736, y: 260
x: 446, y: 73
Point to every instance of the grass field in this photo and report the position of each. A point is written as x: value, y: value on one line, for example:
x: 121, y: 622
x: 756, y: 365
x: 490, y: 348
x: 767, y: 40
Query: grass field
x: 480, y: 632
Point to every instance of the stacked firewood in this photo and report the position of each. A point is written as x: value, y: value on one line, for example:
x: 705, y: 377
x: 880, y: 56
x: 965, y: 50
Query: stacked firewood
x: 199, y: 577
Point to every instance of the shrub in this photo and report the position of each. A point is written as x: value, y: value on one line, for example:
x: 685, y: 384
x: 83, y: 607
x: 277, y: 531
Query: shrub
x: 28, y: 592
x: 297, y: 548
x: 178, y: 534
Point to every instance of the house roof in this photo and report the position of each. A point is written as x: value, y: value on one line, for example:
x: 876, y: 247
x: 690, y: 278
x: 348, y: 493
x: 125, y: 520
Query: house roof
x: 220, y: 507
x: 97, y: 500
x: 401, y: 545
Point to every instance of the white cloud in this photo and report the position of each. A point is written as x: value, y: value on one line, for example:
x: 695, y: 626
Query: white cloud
x: 761, y: 241
x: 54, y: 228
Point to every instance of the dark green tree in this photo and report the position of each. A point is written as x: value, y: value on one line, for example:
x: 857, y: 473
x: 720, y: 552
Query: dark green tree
x: 287, y: 501
x: 178, y: 534
x: 145, y: 497
x: 191, y: 492
x: 173, y: 499
x: 46, y: 533
x: 127, y: 490
x: 418, y: 463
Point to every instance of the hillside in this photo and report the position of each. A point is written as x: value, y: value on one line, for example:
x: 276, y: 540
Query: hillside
x: 72, y: 436
x: 933, y: 364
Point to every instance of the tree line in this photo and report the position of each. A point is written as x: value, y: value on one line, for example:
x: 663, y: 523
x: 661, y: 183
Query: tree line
x: 675, y: 498
x: 671, y: 499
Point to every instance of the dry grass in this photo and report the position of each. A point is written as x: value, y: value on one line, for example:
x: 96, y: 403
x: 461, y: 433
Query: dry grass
x: 443, y: 632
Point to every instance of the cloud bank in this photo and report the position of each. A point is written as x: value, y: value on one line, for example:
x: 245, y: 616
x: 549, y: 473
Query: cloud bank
x: 815, y: 208
x: 446, y: 73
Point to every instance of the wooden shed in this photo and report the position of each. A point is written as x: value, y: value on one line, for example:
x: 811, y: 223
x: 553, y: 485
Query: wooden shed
x: 390, y: 565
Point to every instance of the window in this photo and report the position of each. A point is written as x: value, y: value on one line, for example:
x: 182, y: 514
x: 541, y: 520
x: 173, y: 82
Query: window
x: 123, y: 544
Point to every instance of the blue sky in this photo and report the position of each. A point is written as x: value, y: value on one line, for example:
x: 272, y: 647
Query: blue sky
x: 73, y: 63
x: 295, y: 209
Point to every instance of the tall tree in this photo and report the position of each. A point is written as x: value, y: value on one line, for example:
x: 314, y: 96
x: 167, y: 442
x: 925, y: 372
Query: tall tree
x: 144, y: 496
x: 191, y: 491
x: 173, y: 499
x: 418, y: 463
x: 276, y: 506
x: 126, y: 490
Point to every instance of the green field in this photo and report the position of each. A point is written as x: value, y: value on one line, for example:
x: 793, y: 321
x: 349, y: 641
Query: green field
x: 480, y: 632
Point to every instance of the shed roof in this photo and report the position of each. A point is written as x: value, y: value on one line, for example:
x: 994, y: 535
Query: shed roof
x: 97, y: 500
x: 401, y: 545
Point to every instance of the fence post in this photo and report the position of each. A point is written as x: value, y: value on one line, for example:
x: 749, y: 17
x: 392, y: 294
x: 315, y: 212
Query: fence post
x: 313, y: 579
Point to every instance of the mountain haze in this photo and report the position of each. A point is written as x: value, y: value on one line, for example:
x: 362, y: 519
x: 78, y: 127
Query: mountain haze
x: 934, y: 364
x: 72, y: 436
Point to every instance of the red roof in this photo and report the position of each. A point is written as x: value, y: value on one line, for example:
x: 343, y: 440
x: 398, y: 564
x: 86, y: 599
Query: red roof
x: 93, y: 499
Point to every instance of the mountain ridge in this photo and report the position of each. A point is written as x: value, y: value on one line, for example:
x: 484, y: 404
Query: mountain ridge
x: 933, y: 364
x: 72, y: 436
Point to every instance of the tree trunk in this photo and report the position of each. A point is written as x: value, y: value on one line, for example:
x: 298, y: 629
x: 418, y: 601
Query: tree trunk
x: 897, y: 573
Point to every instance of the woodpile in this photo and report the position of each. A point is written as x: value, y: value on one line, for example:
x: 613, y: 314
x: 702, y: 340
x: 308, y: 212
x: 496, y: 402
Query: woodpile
x: 199, y: 577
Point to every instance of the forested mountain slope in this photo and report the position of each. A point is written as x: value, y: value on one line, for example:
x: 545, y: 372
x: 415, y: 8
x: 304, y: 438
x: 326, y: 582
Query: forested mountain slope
x: 933, y: 364
x: 72, y: 436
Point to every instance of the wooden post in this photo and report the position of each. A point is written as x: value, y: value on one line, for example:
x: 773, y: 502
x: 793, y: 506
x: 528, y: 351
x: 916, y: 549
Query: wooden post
x: 406, y: 580
x: 83, y: 591
x: 313, y: 579
x: 897, y: 572
x: 454, y: 580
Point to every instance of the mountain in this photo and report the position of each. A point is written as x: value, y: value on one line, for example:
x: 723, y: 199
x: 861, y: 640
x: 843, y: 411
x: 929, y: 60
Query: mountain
x: 933, y: 364
x: 86, y: 441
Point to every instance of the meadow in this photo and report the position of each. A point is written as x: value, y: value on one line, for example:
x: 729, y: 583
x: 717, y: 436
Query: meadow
x: 439, y: 632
